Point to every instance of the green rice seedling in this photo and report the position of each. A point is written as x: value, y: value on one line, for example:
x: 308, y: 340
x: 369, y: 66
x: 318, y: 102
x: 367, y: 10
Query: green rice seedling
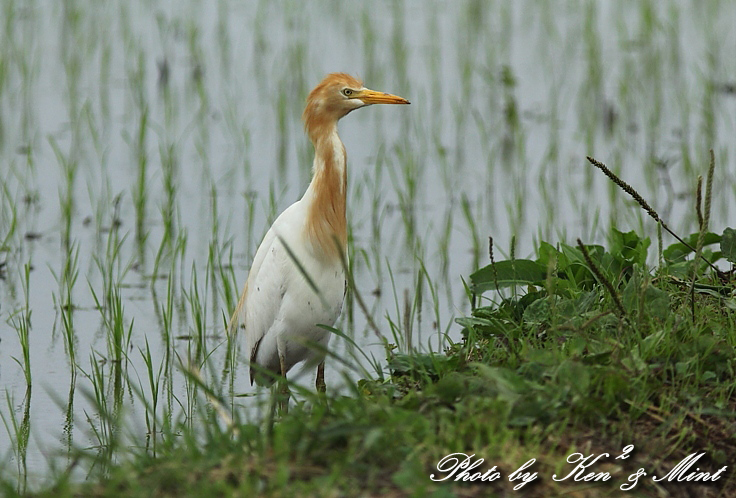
x: 110, y: 265
x: 202, y: 147
x: 405, y: 180
x: 166, y: 314
x: 216, y: 403
x: 19, y: 433
x: 169, y: 168
x: 9, y: 217
x: 396, y: 324
x: 224, y: 43
x: 357, y: 296
x: 94, y: 129
x: 104, y: 424
x: 72, y: 62
x: 21, y: 322
x: 29, y: 65
x: 407, y: 323
x: 419, y: 304
x: 68, y: 429
x: 171, y: 251
x: 434, y: 61
x: 163, y: 250
x: 708, y: 106
x: 229, y: 286
x: 444, y: 247
x: 140, y: 190
x: 348, y: 306
x: 368, y: 32
x: 359, y: 357
x: 220, y: 282
x: 3, y: 79
x: 250, y: 198
x: 118, y: 336
x: 378, y: 211
x: 151, y: 406
x: 273, y: 204
x: 198, y: 311
x: 592, y: 91
x: 169, y: 97
x: 65, y: 302
x: 160, y: 254
x: 178, y: 256
x: 104, y: 78
x: 69, y: 165
x: 399, y: 49
x: 230, y: 364
x: 110, y: 302
x: 260, y: 37
x: 282, y: 147
x: 198, y: 66
x: 442, y: 335
x: 189, y: 404
x: 475, y: 237
x: 101, y: 197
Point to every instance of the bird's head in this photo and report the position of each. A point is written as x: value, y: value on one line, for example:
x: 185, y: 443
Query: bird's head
x: 336, y: 96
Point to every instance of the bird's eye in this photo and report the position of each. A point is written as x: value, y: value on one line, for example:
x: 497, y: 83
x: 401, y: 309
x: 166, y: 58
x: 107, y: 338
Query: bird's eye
x: 347, y: 92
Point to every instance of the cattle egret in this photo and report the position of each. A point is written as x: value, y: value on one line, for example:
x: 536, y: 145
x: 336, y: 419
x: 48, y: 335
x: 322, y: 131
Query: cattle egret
x: 297, y: 278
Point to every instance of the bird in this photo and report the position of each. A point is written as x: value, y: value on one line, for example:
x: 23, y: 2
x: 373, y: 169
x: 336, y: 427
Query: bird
x: 296, y: 281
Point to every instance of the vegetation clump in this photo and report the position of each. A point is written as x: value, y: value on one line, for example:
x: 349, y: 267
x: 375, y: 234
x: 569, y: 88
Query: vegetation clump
x: 584, y: 349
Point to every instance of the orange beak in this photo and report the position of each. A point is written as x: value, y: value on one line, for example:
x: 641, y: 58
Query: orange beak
x: 374, y: 97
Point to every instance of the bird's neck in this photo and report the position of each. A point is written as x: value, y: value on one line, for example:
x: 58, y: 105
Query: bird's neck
x: 326, y: 197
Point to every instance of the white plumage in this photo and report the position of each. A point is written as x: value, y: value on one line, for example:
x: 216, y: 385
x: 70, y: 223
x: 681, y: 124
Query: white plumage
x: 282, y: 310
x: 297, y: 281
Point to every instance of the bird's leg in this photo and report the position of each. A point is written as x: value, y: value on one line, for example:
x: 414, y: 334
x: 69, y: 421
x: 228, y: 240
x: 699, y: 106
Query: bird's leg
x: 284, y: 402
x: 320, y: 383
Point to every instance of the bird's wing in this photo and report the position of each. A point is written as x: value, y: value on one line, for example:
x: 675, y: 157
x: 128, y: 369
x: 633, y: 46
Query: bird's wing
x: 238, y: 317
x: 260, y: 303
x: 259, y: 289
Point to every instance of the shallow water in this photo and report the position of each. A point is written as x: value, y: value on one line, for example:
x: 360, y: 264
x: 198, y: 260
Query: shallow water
x: 507, y: 100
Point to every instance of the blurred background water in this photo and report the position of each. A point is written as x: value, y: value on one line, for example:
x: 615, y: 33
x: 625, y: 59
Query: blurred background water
x: 145, y: 148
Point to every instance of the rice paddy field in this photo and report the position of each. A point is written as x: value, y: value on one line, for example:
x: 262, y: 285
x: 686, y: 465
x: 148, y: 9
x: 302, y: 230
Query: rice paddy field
x: 146, y: 147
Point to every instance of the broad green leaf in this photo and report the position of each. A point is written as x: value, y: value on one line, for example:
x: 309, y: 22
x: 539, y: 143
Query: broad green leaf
x: 507, y: 274
x: 681, y: 270
x: 628, y: 248
x: 728, y: 244
x: 548, y: 254
x: 579, y: 267
x: 657, y: 302
x: 678, y: 251
x: 709, y: 292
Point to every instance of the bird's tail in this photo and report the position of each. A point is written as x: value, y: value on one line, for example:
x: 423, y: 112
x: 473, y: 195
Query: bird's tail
x: 232, y: 327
